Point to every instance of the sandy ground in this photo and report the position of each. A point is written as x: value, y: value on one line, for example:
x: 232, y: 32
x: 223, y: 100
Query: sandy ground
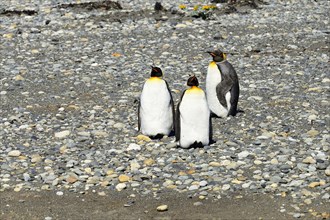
x: 39, y: 205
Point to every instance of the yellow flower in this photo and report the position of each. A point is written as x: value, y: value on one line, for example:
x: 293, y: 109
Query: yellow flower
x: 182, y: 7
x: 208, y: 7
x: 196, y: 7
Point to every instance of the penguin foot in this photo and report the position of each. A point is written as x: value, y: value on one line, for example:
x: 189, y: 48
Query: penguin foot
x: 193, y: 145
x: 197, y: 145
x: 240, y: 111
x: 213, y: 115
x: 212, y: 141
x: 237, y: 112
x: 171, y: 134
x: 157, y: 136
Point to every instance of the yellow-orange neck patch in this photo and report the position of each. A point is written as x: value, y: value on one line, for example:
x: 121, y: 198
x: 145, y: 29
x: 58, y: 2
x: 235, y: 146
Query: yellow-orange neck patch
x: 154, y: 79
x: 213, y: 64
x: 194, y: 89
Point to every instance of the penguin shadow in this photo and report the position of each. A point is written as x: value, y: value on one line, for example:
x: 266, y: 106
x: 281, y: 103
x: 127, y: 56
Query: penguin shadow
x: 212, y: 141
x: 239, y: 112
x: 212, y: 116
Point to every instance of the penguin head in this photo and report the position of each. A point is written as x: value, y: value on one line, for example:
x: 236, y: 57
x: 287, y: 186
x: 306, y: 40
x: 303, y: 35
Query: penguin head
x: 192, y: 81
x: 156, y: 72
x: 217, y: 55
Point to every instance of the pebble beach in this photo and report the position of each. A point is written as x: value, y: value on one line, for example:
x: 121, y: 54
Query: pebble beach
x: 71, y: 76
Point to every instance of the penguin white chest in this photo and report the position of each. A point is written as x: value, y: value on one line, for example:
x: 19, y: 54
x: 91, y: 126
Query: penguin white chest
x: 213, y: 78
x: 194, y: 119
x: 156, y: 116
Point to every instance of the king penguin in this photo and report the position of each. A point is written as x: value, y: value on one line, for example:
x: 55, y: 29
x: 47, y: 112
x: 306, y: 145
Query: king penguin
x: 222, y: 88
x: 192, y: 121
x: 156, y: 107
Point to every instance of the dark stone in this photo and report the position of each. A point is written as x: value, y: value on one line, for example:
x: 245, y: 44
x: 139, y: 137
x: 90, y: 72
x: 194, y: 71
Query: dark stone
x: 217, y: 37
x: 218, y: 1
x: 158, y: 6
x: 321, y: 166
x: 11, y: 12
x: 106, y: 4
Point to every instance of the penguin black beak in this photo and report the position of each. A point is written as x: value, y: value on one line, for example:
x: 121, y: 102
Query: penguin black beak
x: 211, y: 53
x: 153, y: 68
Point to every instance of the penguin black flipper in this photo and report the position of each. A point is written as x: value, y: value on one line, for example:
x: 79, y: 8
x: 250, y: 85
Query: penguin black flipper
x: 229, y: 83
x: 172, y: 105
x: 222, y: 88
x: 177, y: 119
x: 139, y: 118
x: 234, y: 92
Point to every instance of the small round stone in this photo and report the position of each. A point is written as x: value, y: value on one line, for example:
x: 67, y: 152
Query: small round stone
x: 123, y: 178
x: 59, y: 193
x: 14, y: 153
x: 121, y: 186
x: 62, y: 134
x: 162, y: 208
x: 198, y: 203
x: 225, y: 187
